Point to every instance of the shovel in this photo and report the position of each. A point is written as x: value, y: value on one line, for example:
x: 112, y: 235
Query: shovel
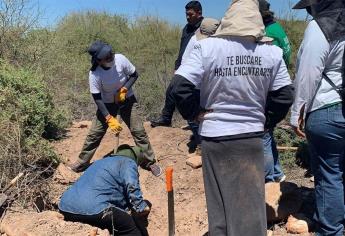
x: 3, y: 196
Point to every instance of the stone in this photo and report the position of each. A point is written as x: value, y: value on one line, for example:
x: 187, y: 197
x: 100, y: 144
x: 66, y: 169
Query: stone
x: 298, y: 224
x: 282, y: 200
x: 194, y: 161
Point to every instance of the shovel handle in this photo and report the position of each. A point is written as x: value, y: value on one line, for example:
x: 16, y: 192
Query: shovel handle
x: 169, y: 177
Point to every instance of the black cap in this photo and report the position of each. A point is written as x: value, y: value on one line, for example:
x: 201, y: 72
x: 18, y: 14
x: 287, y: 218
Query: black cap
x: 99, y: 50
x: 302, y: 4
x: 264, y: 5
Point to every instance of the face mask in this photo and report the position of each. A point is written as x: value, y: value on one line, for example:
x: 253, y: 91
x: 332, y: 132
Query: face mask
x: 109, y: 64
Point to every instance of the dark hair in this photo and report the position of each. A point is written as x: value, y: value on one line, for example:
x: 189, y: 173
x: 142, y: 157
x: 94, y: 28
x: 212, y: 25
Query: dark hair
x: 195, y: 5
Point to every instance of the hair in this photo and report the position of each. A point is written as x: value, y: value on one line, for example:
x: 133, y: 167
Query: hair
x: 195, y: 5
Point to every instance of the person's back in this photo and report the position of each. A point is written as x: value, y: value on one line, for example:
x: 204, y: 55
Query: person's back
x: 276, y: 31
x: 238, y: 71
x: 235, y: 70
x: 104, y: 184
x: 108, y: 194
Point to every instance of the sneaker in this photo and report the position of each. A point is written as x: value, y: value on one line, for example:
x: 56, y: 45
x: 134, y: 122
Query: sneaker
x: 160, y: 122
x: 77, y: 166
x: 156, y: 170
x: 280, y: 179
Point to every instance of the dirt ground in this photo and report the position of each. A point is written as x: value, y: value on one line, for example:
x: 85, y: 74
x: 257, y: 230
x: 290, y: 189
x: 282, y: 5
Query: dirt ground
x: 170, y: 146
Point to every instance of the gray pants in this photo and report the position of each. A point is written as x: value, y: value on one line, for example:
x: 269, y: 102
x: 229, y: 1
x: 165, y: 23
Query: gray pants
x: 233, y: 173
x: 129, y: 113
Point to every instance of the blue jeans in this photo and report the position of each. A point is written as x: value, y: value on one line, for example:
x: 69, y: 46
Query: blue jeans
x: 325, y: 130
x: 273, y: 171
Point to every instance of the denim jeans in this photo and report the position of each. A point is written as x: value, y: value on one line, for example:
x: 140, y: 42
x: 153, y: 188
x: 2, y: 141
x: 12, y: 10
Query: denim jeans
x: 325, y: 130
x: 273, y: 171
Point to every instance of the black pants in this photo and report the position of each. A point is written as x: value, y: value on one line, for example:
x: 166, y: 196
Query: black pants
x: 116, y: 221
x: 233, y: 173
x: 169, y: 105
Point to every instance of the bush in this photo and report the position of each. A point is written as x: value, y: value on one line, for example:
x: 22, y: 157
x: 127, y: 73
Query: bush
x: 27, y: 115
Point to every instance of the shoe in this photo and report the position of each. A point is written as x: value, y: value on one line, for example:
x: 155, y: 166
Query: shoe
x: 156, y: 170
x: 77, y: 166
x: 160, y: 122
x: 280, y: 179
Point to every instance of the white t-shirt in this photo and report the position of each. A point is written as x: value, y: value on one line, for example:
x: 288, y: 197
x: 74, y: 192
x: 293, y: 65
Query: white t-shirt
x: 234, y: 76
x: 108, y: 82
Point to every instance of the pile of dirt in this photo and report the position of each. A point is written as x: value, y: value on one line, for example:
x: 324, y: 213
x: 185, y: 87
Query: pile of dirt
x: 45, y: 223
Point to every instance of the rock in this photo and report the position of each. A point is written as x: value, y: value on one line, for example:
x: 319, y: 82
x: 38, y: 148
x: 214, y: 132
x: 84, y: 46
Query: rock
x: 282, y: 200
x: 194, y: 161
x: 65, y: 175
x: 81, y: 124
x: 298, y: 224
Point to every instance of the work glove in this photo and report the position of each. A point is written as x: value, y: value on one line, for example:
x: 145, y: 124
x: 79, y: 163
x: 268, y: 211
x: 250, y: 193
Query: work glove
x: 113, y: 124
x: 121, y: 95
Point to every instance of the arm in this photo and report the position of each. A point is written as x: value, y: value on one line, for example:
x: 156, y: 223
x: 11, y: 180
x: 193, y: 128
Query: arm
x: 95, y: 89
x: 97, y: 97
x: 133, y: 192
x: 311, y: 61
x: 187, y: 98
x: 131, y: 80
x: 187, y: 78
x: 280, y: 95
x: 278, y: 105
x: 181, y: 50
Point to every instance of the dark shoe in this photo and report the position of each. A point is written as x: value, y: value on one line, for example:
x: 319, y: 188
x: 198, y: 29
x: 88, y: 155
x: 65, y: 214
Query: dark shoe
x: 77, y: 166
x: 156, y: 170
x: 160, y: 122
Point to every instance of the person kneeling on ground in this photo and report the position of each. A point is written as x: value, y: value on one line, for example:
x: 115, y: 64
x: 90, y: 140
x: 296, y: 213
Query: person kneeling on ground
x: 107, y: 191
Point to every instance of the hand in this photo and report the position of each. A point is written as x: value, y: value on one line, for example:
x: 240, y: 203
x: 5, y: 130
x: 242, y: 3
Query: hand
x: 113, y: 124
x: 143, y: 213
x: 202, y: 114
x: 121, y: 95
x: 300, y: 129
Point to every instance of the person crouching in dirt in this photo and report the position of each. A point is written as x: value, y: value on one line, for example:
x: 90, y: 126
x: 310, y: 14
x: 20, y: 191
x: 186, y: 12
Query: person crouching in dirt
x: 107, y: 191
x: 235, y: 70
x: 111, y: 79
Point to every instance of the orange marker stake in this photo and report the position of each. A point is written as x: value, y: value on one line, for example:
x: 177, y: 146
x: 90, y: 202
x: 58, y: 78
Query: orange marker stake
x: 170, y: 190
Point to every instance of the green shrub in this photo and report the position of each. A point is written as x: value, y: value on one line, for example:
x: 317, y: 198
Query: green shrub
x: 27, y: 115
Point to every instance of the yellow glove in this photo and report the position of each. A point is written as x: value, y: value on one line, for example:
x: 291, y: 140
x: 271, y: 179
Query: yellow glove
x: 121, y: 95
x: 113, y: 124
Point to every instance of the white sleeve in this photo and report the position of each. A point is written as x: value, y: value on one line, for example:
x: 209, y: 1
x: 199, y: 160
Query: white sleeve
x: 311, y: 60
x: 281, y: 75
x: 188, y: 49
x: 127, y: 66
x: 95, y: 84
x: 193, y: 69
